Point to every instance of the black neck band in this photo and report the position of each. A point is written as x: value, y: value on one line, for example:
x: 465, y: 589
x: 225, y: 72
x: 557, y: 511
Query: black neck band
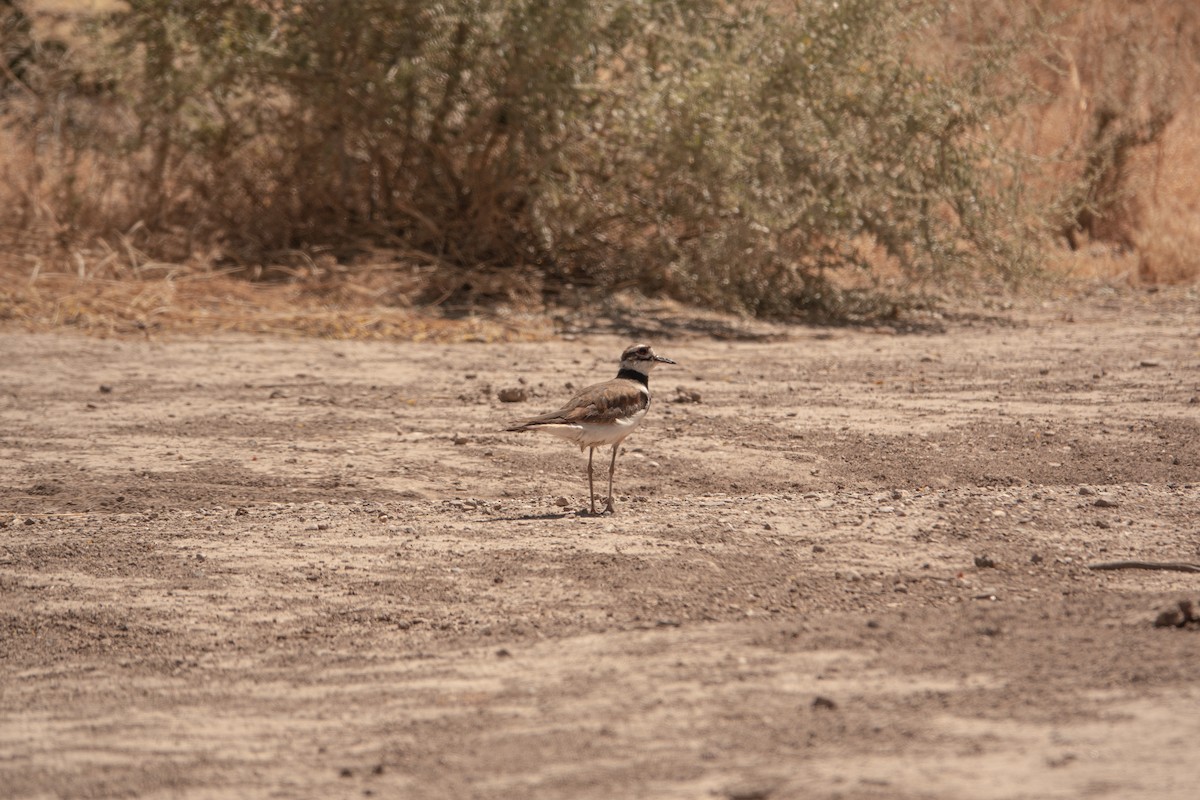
x: 634, y: 375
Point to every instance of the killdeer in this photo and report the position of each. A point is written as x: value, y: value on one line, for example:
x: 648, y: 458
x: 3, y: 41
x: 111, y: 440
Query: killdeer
x: 604, y: 413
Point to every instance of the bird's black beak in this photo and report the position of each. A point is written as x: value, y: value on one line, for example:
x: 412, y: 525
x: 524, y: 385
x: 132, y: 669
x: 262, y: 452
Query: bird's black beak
x: 663, y: 359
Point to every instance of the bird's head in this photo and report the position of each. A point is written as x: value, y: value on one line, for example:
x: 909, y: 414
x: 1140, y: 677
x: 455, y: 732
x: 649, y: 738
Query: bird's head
x: 642, y: 358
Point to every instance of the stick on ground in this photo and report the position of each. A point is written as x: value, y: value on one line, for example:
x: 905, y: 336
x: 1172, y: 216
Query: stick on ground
x: 1171, y: 566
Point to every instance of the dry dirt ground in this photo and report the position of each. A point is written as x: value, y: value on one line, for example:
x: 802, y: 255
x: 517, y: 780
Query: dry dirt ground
x: 263, y: 567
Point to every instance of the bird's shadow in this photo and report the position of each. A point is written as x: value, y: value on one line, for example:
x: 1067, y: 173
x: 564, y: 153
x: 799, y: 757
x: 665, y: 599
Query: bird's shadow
x: 552, y: 515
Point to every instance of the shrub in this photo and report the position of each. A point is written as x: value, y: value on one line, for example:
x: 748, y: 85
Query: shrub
x: 735, y: 156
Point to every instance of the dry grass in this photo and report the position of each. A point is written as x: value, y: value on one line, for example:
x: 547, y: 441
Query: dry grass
x: 1167, y: 184
x: 1163, y: 191
x: 52, y: 275
x: 1136, y: 65
x: 176, y: 300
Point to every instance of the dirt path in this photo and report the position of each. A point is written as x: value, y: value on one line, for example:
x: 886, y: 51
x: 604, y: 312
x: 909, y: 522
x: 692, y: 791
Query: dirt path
x: 274, y: 568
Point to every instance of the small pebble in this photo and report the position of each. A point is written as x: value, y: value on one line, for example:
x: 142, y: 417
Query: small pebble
x: 750, y: 792
x: 1170, y: 618
x: 1177, y: 616
x: 683, y: 395
x: 825, y: 703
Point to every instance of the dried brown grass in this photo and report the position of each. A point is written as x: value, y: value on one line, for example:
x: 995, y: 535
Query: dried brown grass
x: 1162, y: 191
x: 1117, y: 84
x: 1167, y: 184
x: 98, y: 297
x: 49, y: 279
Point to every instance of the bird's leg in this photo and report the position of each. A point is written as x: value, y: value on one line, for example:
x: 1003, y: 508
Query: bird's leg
x: 612, y: 467
x: 591, y: 491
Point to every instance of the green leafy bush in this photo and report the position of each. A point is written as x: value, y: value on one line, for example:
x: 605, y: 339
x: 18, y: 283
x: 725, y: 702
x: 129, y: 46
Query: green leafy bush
x: 730, y: 155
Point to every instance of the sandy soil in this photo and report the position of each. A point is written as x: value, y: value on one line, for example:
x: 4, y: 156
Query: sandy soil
x: 260, y: 567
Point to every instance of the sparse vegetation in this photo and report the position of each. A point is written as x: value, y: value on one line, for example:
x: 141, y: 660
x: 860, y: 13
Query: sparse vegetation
x: 1117, y: 131
x: 766, y: 158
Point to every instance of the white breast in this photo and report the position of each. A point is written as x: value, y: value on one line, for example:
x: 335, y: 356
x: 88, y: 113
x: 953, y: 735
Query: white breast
x: 595, y: 434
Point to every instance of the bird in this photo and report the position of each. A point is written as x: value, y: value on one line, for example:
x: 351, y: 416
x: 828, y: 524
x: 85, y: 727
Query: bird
x: 604, y: 413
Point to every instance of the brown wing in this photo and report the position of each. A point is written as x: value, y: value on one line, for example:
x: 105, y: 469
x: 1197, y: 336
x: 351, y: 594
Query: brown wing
x: 603, y: 402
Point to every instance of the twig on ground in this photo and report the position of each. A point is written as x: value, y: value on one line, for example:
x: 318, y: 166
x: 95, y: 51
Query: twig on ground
x: 1170, y: 566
